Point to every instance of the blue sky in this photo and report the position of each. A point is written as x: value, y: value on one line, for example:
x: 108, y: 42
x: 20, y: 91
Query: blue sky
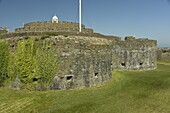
x: 140, y: 18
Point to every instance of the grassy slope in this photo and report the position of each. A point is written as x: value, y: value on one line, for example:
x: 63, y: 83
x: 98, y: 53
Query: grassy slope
x: 127, y: 92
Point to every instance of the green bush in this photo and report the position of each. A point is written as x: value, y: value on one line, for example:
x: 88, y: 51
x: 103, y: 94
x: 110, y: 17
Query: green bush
x: 47, y: 65
x: 11, y: 70
x: 4, y: 60
x: 25, y: 62
x: 35, y: 65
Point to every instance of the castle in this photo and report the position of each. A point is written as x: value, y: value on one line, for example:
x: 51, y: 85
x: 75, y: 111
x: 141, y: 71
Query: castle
x: 163, y: 54
x: 53, y: 26
x: 89, y: 60
x: 4, y: 30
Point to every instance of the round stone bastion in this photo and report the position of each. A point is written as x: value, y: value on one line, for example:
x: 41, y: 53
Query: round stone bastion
x: 89, y: 61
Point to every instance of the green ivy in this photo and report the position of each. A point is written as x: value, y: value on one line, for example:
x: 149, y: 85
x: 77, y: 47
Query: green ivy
x: 25, y: 62
x: 35, y: 64
x: 4, y: 58
x: 11, y: 70
x: 47, y: 65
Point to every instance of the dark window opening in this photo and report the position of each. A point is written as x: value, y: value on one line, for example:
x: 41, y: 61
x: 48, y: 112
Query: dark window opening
x: 111, y: 64
x: 164, y: 51
x: 69, y: 77
x: 95, y: 74
x: 141, y: 63
x: 123, y: 64
x: 35, y: 79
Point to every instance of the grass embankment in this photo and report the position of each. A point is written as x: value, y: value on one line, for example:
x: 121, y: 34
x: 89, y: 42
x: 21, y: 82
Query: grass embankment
x: 127, y: 92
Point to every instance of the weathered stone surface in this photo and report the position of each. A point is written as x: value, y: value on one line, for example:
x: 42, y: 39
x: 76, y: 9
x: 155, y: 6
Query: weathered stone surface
x: 89, y: 61
x: 4, y: 30
x: 85, y: 62
x: 134, y: 54
x: 17, y: 83
x: 163, y: 54
x: 48, y: 26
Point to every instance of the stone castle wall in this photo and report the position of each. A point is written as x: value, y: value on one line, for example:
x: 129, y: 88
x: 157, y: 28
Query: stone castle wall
x: 3, y: 30
x: 163, y: 54
x: 86, y: 60
x: 134, y: 54
x: 89, y: 61
x: 48, y: 26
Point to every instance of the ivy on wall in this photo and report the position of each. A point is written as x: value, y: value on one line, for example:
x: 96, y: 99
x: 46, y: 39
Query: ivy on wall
x: 11, y: 70
x: 24, y: 61
x: 4, y: 59
x: 47, y: 65
x: 35, y: 65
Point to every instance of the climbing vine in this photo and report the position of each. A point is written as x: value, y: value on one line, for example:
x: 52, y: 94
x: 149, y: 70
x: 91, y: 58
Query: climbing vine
x: 24, y: 61
x: 34, y: 64
x: 47, y: 63
x: 4, y: 59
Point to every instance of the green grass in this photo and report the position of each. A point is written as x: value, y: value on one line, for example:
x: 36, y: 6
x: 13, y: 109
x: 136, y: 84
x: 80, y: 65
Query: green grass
x: 163, y: 61
x: 127, y: 92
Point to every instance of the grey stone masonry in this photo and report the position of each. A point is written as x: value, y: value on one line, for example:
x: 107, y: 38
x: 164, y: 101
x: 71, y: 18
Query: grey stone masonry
x: 89, y: 61
x: 163, y: 54
x: 48, y: 26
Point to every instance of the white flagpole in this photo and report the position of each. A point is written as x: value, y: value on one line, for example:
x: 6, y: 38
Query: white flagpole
x: 79, y: 15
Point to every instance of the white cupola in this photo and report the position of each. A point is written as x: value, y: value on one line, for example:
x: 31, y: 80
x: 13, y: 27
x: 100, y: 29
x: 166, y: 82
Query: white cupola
x: 55, y: 19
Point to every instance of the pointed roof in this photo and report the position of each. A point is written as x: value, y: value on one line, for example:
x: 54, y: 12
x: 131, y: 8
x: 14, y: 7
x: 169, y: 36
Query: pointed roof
x: 55, y: 17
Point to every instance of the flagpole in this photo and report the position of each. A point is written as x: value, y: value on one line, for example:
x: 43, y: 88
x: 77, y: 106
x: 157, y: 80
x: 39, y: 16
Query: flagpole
x: 79, y: 15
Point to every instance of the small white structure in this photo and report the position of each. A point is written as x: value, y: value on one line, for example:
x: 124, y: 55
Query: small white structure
x: 55, y: 19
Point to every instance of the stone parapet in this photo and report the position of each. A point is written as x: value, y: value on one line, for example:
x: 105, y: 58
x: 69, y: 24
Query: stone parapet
x: 48, y: 26
x: 3, y: 30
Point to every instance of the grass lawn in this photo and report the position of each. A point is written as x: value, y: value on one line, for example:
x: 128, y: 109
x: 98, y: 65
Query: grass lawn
x: 127, y: 92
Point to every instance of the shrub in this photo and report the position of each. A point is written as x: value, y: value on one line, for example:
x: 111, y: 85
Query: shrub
x: 11, y: 70
x: 35, y: 66
x: 47, y: 65
x: 25, y: 62
x: 4, y: 59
